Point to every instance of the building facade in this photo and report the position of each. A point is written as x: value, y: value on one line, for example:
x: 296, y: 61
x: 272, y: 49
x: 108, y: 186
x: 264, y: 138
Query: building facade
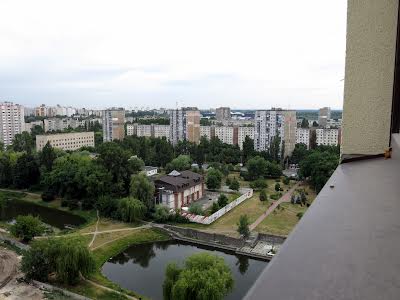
x: 223, y: 113
x: 184, y: 125
x: 113, y: 124
x: 275, y: 122
x: 324, y: 115
x: 179, y: 189
x: 225, y: 134
x: 327, y: 137
x: 66, y: 141
x: 242, y: 133
x: 60, y: 124
x: 11, y: 121
x: 303, y: 136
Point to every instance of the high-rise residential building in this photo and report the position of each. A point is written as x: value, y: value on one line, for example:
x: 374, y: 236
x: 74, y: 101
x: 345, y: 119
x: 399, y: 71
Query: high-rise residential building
x: 153, y: 130
x: 223, y: 113
x: 66, y: 141
x: 323, y: 116
x: 275, y: 122
x: 160, y: 131
x: 303, y: 136
x: 113, y: 124
x: 225, y: 134
x: 242, y: 133
x: 328, y: 137
x: 56, y: 124
x: 207, y: 131
x: 11, y: 121
x: 184, y: 125
x: 41, y: 111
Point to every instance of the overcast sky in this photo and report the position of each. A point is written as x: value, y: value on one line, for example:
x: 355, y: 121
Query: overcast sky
x: 242, y: 54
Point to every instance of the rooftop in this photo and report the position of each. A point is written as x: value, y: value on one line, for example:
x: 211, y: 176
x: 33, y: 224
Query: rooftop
x: 179, y: 181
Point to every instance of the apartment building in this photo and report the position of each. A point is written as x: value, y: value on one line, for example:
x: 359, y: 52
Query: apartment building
x: 56, y: 124
x: 223, y: 113
x: 303, y: 136
x: 160, y: 131
x: 28, y: 126
x: 324, y: 115
x: 113, y: 124
x: 66, y: 141
x: 242, y: 133
x: 275, y: 122
x: 184, y: 125
x: 226, y: 134
x: 328, y: 137
x: 144, y: 130
x: 11, y: 121
x: 207, y: 131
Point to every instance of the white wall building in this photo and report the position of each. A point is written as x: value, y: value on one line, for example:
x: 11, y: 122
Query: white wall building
x: 328, y: 137
x: 303, y: 136
x: 242, y: 133
x: 206, y: 131
x: 55, y: 124
x: 225, y: 134
x: 11, y: 121
x: 160, y: 131
x: 143, y: 130
x: 66, y: 141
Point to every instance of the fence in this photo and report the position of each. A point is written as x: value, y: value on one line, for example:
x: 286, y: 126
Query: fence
x: 215, y: 216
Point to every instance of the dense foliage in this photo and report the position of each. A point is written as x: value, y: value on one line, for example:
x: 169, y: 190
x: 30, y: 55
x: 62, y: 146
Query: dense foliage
x: 203, y: 277
x: 67, y: 258
x: 27, y: 227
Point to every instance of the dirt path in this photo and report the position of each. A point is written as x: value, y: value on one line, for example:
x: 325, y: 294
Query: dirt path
x: 109, y: 289
x: 96, y: 230
x: 22, y: 192
x: 10, y: 288
x: 284, y: 198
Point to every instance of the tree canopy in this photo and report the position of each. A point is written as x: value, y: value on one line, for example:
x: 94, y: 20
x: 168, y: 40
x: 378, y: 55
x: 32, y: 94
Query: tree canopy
x: 203, y: 277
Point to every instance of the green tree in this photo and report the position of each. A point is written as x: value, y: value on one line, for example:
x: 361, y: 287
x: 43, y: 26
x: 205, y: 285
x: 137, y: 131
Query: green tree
x: 203, y: 277
x: 47, y: 156
x: 222, y: 200
x: 215, y: 207
x: 135, y: 165
x: 26, y: 171
x: 161, y: 213
x: 182, y: 162
x: 277, y: 187
x: 23, y: 142
x: 313, y: 139
x: 67, y: 258
x: 248, y: 148
x: 234, y: 185
x: 142, y: 189
x: 275, y: 148
x: 27, y: 227
x: 304, y: 123
x: 213, y: 179
x: 256, y: 167
x: 286, y: 181
x: 131, y: 210
x: 196, y: 209
x: 243, y: 226
x: 299, y: 153
x: 258, y: 184
x: 273, y: 170
x: 263, y: 195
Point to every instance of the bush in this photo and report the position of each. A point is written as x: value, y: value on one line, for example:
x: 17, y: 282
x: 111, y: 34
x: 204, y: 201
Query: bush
x: 234, y: 185
x: 243, y: 226
x: 300, y: 215
x: 258, y: 184
x: 196, y: 209
x: 228, y: 181
x: 222, y: 200
x: 27, y: 227
x: 64, y: 203
x: 277, y: 187
x: 131, y: 210
x: 276, y: 196
x: 161, y: 214
x: 48, y: 196
x: 263, y: 195
x: 215, y: 207
x: 286, y: 181
x: 108, y: 207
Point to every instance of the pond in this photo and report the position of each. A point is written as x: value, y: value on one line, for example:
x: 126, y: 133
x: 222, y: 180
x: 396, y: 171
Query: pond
x: 141, y: 268
x: 10, y: 209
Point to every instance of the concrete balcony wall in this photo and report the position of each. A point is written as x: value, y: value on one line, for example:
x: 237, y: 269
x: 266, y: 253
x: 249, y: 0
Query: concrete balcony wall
x: 370, y: 60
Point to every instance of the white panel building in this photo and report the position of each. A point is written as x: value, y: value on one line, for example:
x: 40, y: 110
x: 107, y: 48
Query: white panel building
x: 66, y: 141
x: 328, y: 137
x: 303, y: 136
x: 206, y: 131
x: 225, y: 134
x: 11, y: 121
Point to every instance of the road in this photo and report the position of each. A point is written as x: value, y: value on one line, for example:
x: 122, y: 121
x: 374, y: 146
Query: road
x: 285, y: 198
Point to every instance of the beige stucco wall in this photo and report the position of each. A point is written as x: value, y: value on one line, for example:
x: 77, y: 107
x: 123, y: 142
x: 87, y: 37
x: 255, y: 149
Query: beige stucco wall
x: 370, y: 57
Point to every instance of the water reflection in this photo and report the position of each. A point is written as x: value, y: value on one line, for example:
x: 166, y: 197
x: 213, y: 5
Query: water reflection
x: 141, y: 267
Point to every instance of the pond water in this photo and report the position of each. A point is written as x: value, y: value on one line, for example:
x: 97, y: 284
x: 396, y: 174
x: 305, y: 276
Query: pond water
x: 141, y: 268
x: 9, y: 210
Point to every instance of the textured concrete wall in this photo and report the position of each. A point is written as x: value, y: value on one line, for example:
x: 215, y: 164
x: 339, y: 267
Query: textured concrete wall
x: 370, y: 57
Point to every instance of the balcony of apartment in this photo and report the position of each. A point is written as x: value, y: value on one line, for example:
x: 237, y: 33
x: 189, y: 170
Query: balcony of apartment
x: 347, y: 245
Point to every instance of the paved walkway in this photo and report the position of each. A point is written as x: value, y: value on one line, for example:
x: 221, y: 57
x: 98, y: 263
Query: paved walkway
x: 285, y: 198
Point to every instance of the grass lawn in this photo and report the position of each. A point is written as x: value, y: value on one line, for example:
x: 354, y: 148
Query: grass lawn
x: 108, y: 224
x: 281, y: 221
x: 93, y: 292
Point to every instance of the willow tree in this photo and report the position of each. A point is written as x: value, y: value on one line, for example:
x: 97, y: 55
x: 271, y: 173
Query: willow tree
x: 67, y: 258
x: 203, y: 277
x: 131, y: 209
